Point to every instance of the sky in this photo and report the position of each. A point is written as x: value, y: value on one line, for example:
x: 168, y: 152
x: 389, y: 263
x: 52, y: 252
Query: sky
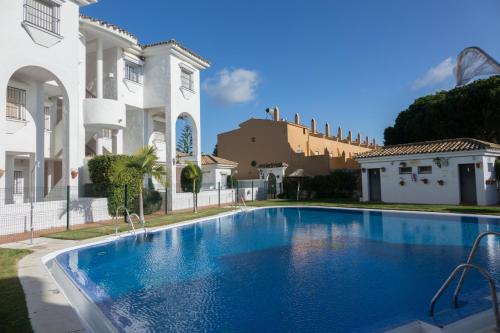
x: 354, y: 64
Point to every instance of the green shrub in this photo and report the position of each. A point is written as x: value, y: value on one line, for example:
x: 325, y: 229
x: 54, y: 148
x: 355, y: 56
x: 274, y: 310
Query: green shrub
x: 101, y: 169
x: 231, y: 181
x: 187, y: 184
x: 338, y: 184
x: 152, y: 201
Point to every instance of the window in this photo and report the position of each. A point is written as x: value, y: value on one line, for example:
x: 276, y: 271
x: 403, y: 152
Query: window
x: 42, y: 13
x: 46, y: 111
x: 16, y: 103
x: 405, y: 170
x: 425, y: 169
x: 107, y: 133
x: 18, y: 182
x: 133, y: 72
x: 186, y: 79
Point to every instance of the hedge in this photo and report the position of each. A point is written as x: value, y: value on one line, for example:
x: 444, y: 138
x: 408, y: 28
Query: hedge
x: 101, y: 170
x: 338, y: 184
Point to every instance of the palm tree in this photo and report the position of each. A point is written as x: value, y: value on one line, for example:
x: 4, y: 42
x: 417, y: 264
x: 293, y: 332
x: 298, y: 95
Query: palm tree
x: 145, y: 161
x: 192, y: 173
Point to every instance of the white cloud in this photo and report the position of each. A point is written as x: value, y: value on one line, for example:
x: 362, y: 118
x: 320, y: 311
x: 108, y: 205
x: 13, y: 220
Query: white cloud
x: 436, y: 75
x: 233, y: 86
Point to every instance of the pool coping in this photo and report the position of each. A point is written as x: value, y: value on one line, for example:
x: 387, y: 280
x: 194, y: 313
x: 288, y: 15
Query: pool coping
x: 43, y: 260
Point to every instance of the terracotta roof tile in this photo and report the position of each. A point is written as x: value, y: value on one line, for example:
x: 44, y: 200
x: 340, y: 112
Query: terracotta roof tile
x: 211, y: 159
x: 429, y: 147
x: 108, y: 25
x: 174, y: 42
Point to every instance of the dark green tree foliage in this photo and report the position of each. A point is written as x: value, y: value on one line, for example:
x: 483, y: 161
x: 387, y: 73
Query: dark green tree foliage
x: 216, y: 150
x: 469, y: 111
x: 185, y: 143
x: 338, y: 184
x: 101, y: 171
x: 186, y: 178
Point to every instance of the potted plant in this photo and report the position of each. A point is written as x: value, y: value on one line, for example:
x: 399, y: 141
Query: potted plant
x: 440, y: 182
x: 425, y: 180
x: 402, y: 182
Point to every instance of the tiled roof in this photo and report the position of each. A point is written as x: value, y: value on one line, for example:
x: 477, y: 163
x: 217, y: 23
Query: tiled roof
x: 211, y: 159
x: 108, y: 25
x: 429, y: 147
x: 273, y: 165
x: 174, y: 42
x: 123, y: 31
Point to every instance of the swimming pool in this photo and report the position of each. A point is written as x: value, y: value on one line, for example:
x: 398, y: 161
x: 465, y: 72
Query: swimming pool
x: 286, y: 270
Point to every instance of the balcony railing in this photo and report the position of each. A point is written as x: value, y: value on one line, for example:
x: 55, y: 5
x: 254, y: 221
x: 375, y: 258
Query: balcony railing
x: 42, y: 13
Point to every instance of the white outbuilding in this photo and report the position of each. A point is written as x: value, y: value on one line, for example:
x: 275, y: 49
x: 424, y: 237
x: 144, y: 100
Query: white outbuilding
x: 451, y: 171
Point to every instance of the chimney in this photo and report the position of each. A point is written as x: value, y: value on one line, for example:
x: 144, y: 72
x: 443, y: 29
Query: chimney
x: 374, y: 144
x: 276, y: 114
x: 297, y: 119
x: 313, y: 126
x: 367, y: 141
x: 359, y: 139
x: 339, y: 134
x: 327, y: 130
x: 349, y: 137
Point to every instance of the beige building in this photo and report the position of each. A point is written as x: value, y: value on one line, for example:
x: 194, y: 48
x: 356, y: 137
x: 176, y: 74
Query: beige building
x: 263, y: 141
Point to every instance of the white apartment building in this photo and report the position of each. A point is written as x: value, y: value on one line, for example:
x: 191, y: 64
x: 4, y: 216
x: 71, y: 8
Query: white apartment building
x: 73, y: 87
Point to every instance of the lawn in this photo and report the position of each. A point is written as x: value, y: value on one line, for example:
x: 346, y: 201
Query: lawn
x: 13, y: 311
x: 98, y: 229
x: 460, y: 209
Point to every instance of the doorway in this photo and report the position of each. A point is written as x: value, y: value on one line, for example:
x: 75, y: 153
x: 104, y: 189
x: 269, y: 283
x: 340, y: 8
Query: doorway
x: 468, y: 193
x: 375, y: 193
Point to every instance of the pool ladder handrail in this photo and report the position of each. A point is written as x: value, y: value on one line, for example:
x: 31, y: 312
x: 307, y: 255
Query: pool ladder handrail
x: 130, y: 222
x: 243, y: 200
x: 470, y: 259
x: 465, y: 267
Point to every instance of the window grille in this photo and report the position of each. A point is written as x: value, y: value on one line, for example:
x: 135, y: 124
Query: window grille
x: 425, y: 169
x: 46, y: 111
x: 18, y: 182
x: 16, y: 103
x: 405, y: 170
x: 43, y: 13
x: 133, y: 72
x: 186, y: 79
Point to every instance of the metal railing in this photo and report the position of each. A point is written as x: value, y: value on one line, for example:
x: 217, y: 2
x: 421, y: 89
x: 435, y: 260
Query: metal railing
x: 472, y: 255
x: 42, y: 14
x: 128, y: 219
x: 485, y: 274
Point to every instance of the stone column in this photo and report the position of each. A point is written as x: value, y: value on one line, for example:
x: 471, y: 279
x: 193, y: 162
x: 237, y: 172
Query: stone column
x: 40, y: 141
x: 99, y: 69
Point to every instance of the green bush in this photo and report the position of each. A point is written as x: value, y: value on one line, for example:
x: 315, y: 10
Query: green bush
x: 338, y: 184
x: 231, y: 181
x: 101, y: 169
x: 152, y: 201
x: 186, y: 184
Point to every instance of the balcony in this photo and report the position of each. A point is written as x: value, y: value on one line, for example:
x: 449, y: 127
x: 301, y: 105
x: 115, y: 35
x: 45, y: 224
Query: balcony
x: 107, y: 113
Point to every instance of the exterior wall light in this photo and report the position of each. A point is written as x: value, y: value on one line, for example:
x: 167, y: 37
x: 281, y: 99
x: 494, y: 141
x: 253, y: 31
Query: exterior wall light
x: 74, y: 173
x: 382, y: 169
x: 363, y: 170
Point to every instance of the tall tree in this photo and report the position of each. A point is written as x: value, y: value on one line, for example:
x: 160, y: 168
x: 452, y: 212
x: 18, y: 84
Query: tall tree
x: 467, y: 111
x: 185, y: 142
x: 216, y: 150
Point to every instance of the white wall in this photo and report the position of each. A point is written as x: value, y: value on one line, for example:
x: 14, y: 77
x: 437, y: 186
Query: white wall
x: 431, y: 193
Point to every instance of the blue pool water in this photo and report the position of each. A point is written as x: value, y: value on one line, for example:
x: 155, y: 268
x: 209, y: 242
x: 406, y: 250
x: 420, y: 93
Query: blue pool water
x: 286, y: 270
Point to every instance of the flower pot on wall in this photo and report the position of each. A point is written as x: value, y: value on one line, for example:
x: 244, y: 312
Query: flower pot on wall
x: 402, y: 182
x: 2, y: 172
x: 74, y: 173
x: 440, y: 182
x: 425, y: 180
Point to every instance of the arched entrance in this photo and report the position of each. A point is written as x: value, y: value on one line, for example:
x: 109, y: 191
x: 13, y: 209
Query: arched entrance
x: 271, y: 185
x: 36, y: 135
x: 186, y: 144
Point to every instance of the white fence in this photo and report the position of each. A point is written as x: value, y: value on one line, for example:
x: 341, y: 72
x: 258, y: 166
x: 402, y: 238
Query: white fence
x: 207, y: 198
x: 16, y: 218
